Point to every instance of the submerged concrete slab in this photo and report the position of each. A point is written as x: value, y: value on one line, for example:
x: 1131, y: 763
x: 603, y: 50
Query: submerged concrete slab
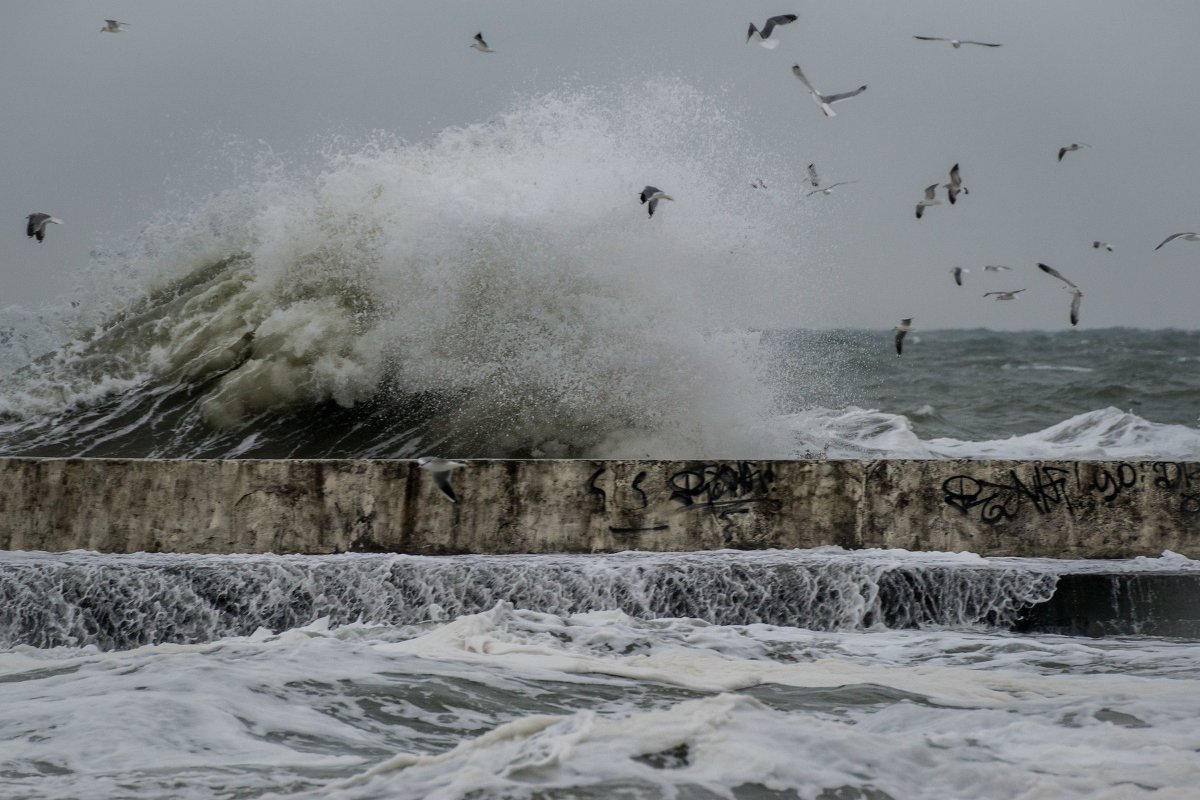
x: 1056, y: 509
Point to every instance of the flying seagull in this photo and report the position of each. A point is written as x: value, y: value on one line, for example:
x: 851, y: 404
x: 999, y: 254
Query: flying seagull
x: 904, y: 327
x: 764, y: 36
x: 958, y: 272
x: 996, y: 267
x: 758, y: 183
x: 36, y: 225
x: 828, y: 189
x: 955, y: 43
x: 825, y: 100
x: 955, y: 185
x: 928, y: 200
x: 813, y: 177
x: 112, y: 26
x: 901, y: 330
x: 440, y: 469
x: 1071, y: 148
x: 1105, y: 245
x: 651, y: 195
x: 480, y: 45
x: 1004, y: 295
x: 1187, y: 237
x: 1076, y: 292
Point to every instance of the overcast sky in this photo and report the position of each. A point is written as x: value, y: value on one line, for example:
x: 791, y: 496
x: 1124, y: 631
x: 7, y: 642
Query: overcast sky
x: 101, y: 129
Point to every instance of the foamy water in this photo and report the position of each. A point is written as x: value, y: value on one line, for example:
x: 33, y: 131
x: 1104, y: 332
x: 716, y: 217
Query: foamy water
x: 498, y: 291
x: 512, y: 702
x: 503, y: 272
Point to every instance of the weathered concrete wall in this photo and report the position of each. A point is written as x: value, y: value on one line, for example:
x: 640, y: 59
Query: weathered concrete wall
x: 1092, y: 509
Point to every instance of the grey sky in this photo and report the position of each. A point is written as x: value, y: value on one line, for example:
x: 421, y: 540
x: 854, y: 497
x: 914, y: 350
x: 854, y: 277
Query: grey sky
x: 100, y: 129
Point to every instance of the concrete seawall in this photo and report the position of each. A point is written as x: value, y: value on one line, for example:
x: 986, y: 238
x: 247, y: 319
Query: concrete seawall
x: 1059, y: 509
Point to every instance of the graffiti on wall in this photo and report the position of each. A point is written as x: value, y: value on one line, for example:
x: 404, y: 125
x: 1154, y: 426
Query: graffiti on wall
x: 1042, y: 490
x: 730, y: 492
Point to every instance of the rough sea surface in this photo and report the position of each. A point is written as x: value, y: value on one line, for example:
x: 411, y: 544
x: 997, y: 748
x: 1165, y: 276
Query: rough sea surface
x: 827, y: 673
x: 486, y: 295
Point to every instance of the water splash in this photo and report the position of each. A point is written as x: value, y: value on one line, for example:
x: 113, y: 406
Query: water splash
x: 117, y: 602
x: 498, y: 288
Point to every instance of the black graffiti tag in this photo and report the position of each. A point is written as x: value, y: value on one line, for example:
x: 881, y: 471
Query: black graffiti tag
x: 1109, y: 485
x: 1000, y: 501
x: 1180, y: 479
x: 711, y: 484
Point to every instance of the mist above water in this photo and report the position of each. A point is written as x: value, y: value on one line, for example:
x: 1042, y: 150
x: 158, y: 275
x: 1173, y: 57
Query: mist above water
x: 498, y: 289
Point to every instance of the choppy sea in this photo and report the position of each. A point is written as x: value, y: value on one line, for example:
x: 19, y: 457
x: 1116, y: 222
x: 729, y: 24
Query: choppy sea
x: 482, y: 295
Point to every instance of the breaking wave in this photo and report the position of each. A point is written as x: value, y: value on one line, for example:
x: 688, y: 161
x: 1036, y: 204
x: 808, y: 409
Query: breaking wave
x: 496, y: 291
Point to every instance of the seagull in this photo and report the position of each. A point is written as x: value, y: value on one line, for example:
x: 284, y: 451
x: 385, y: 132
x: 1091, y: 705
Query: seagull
x: 480, y: 45
x: 1076, y: 292
x: 813, y: 177
x: 958, y: 272
x: 758, y: 183
x: 1004, y: 295
x: 1071, y: 148
x: 929, y: 200
x: 955, y: 43
x: 440, y: 469
x: 112, y: 26
x: 904, y: 327
x: 1105, y: 245
x: 826, y: 100
x: 764, y: 36
x: 955, y: 185
x: 652, y: 195
x: 995, y: 267
x: 1187, y: 237
x: 36, y: 225
x: 828, y: 189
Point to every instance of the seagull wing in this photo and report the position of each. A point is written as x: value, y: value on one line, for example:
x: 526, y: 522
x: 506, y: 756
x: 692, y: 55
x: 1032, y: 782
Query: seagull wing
x: 955, y: 180
x: 779, y: 19
x: 647, y: 193
x: 981, y: 44
x: 1052, y: 271
x: 1077, y: 296
x: 1062, y: 151
x: 442, y: 481
x: 782, y: 19
x: 957, y: 272
x: 799, y: 74
x: 813, y: 178
x: 1173, y: 237
x: 929, y: 191
x: 900, y: 333
x: 653, y: 205
x: 821, y: 101
x: 931, y: 38
x: 837, y: 98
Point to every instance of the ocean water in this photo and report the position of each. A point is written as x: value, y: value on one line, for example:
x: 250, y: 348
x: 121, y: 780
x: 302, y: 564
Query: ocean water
x: 484, y: 294
x: 826, y: 673
x: 498, y: 292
